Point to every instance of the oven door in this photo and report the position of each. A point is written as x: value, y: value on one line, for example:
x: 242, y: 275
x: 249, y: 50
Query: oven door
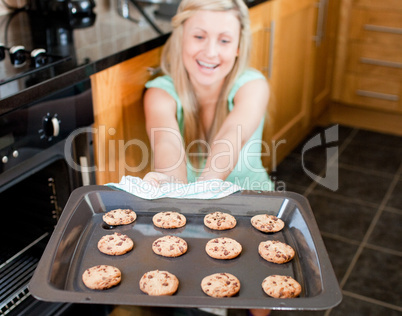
x: 33, y: 194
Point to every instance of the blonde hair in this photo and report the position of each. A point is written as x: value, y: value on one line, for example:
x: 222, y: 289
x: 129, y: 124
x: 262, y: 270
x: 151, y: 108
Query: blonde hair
x: 172, y: 64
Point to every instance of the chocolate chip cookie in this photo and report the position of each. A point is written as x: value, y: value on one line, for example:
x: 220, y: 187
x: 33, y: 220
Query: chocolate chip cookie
x: 119, y: 217
x: 169, y: 220
x: 157, y: 283
x: 276, y: 251
x: 223, y: 248
x: 281, y: 286
x: 101, y: 277
x: 169, y: 246
x: 220, y: 285
x: 219, y: 221
x: 116, y: 244
x: 267, y: 223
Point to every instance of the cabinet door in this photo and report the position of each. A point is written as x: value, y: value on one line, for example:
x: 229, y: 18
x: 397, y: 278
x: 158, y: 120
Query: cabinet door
x: 261, y: 28
x: 291, y: 74
x: 324, y: 54
x: 369, y: 58
x: 120, y: 142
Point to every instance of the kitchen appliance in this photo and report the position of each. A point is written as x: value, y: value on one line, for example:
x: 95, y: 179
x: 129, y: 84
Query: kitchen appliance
x: 123, y: 9
x: 166, y: 8
x: 41, y: 163
x: 37, y: 42
x: 68, y: 9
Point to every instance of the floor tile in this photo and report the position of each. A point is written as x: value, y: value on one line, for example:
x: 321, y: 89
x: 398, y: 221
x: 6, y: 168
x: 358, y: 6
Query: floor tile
x: 374, y: 139
x: 388, y: 231
x: 290, y: 171
x: 355, y: 307
x: 360, y: 186
x: 395, y: 200
x: 341, y: 217
x: 296, y: 188
x: 344, y: 133
x: 315, y: 160
x: 340, y: 254
x: 377, y: 275
x: 314, y: 157
x: 375, y: 158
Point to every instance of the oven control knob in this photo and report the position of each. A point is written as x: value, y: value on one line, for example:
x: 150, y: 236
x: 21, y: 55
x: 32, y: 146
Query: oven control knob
x: 4, y: 159
x: 50, y: 127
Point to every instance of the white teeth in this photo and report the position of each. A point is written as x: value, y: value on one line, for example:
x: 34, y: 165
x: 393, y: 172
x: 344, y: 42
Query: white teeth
x: 206, y: 64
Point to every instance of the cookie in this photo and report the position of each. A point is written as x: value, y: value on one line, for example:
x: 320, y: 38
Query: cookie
x: 120, y: 217
x: 169, y: 246
x: 276, y: 251
x: 267, y: 223
x: 115, y: 245
x: 169, y: 220
x: 281, y: 286
x: 220, y: 285
x: 223, y: 248
x: 219, y: 221
x: 157, y: 283
x: 101, y: 277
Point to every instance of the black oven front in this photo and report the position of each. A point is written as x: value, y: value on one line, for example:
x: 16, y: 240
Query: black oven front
x: 46, y: 152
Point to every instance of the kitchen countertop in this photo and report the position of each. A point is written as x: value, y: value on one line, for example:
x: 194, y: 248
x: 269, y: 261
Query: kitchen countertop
x: 89, y: 48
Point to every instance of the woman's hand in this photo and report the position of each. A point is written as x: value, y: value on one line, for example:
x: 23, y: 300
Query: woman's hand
x: 157, y: 178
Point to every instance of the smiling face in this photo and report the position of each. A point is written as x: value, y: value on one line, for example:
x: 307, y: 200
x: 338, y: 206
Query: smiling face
x: 210, y: 46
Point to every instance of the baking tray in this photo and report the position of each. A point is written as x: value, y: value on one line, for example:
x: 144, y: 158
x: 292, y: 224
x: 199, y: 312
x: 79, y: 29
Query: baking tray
x: 73, y: 248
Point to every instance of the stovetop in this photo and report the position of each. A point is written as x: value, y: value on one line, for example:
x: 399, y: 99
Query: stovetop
x: 33, y: 44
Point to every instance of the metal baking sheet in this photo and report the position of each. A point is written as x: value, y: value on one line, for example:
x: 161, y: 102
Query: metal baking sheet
x: 73, y: 248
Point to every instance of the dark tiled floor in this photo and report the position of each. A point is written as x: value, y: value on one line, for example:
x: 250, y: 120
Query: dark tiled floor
x: 361, y: 221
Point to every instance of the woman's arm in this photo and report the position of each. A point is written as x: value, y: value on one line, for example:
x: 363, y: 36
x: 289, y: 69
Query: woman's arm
x: 164, y: 135
x: 250, y: 104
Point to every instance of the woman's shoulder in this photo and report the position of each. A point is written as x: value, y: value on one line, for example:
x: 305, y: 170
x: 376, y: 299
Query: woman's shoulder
x: 165, y: 83
x: 248, y: 75
x: 162, y: 82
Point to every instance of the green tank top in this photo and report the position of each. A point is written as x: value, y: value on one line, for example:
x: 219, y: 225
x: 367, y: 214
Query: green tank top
x: 249, y: 172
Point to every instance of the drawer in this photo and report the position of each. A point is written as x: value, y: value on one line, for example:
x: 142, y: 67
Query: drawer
x: 379, y: 4
x: 376, y: 26
x: 374, y: 60
x: 379, y: 93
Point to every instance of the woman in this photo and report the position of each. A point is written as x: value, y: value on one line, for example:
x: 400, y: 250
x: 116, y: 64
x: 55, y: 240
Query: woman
x: 205, y: 117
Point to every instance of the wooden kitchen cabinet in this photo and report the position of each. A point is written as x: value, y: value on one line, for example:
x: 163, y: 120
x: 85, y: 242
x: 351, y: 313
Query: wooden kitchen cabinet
x: 324, y: 47
x: 368, y: 72
x: 120, y: 141
x: 261, y: 29
x: 290, y: 68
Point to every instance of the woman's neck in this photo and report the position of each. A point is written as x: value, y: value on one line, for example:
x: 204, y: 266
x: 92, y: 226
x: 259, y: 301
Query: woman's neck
x: 207, y: 98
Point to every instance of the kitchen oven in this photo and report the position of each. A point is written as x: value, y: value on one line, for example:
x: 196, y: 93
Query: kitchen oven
x: 44, y: 149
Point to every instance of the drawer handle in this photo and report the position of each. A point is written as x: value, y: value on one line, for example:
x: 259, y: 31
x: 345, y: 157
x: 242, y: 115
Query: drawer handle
x: 321, y: 21
x: 379, y: 62
x: 271, y: 48
x: 377, y: 95
x: 385, y: 29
